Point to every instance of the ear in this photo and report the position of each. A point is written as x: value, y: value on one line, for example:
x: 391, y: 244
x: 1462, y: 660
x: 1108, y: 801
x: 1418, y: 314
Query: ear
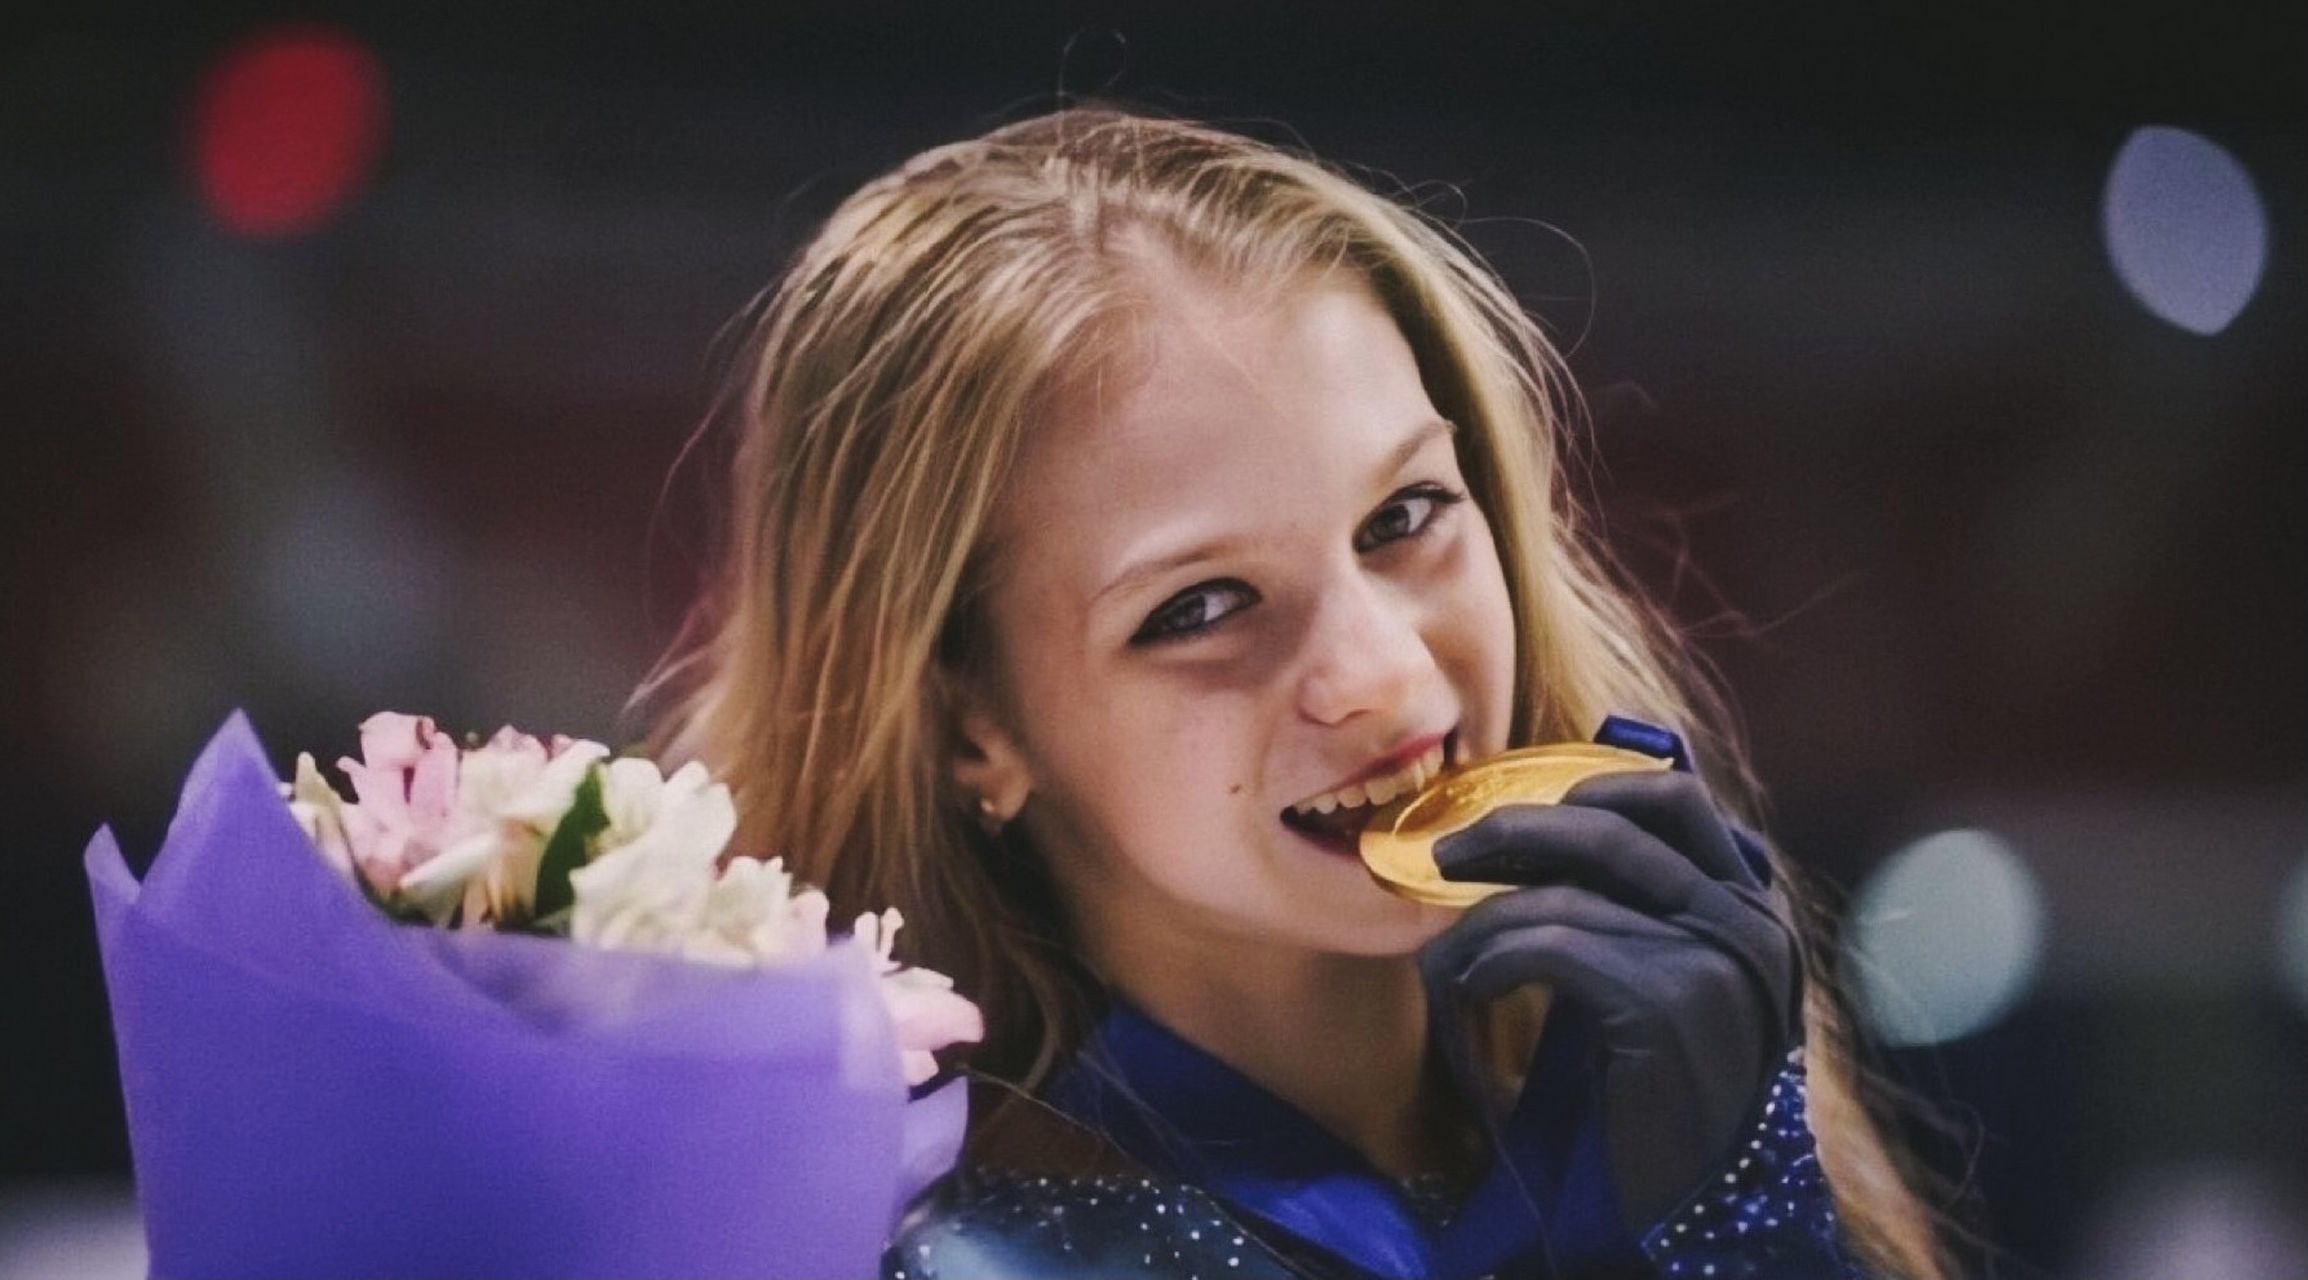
x: 987, y: 761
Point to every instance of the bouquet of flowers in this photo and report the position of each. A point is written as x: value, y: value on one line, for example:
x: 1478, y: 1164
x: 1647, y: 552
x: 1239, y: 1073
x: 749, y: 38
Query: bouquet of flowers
x: 512, y: 1009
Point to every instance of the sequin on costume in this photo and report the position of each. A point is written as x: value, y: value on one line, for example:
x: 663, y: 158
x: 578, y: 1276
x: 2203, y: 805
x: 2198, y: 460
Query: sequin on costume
x: 986, y: 1222
x: 1769, y: 1214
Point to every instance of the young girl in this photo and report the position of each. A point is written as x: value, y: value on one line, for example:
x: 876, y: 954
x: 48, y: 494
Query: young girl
x: 1122, y: 511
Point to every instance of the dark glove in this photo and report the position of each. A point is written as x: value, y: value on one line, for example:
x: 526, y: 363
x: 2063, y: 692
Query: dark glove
x: 1643, y: 911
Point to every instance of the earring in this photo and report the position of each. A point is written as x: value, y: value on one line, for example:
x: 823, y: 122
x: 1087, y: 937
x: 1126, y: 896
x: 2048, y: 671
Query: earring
x: 990, y: 819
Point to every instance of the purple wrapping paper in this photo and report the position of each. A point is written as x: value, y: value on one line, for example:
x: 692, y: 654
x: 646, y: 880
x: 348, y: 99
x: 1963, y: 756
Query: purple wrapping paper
x: 315, y: 1090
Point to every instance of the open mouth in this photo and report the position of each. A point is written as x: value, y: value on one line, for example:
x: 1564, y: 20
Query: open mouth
x: 1339, y: 831
x: 1335, y: 819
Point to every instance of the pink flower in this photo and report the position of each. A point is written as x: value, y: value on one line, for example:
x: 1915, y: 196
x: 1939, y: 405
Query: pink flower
x: 929, y: 1013
x: 406, y: 789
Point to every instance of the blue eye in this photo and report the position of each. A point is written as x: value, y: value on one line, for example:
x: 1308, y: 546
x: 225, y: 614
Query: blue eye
x: 1405, y: 515
x: 1195, y: 610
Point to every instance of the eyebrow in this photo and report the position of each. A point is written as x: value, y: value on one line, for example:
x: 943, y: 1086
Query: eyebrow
x: 1412, y: 444
x: 1426, y: 430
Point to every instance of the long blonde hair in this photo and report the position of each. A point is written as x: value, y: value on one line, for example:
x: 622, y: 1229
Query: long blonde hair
x: 890, y: 381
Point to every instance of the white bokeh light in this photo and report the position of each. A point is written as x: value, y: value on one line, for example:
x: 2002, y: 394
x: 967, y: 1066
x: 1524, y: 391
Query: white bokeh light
x: 2185, y: 228
x: 1946, y: 936
x: 2292, y: 935
x: 2213, y: 1219
x: 71, y: 1227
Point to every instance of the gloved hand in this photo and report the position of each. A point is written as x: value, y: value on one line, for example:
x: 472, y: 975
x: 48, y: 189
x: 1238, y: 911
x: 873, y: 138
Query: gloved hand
x: 1641, y: 909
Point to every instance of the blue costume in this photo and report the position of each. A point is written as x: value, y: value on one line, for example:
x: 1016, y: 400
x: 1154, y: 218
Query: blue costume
x: 1239, y: 1183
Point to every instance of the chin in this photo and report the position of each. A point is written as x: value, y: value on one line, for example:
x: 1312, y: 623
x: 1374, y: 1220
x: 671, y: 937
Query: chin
x: 1393, y: 927
x: 1352, y: 913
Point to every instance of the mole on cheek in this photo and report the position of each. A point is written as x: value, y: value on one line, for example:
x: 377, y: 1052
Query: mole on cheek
x: 1234, y: 790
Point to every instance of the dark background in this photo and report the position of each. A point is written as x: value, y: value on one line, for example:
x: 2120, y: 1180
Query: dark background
x: 1974, y: 537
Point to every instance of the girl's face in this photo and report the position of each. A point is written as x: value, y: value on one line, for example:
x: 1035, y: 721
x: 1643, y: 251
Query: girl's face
x: 1236, y: 602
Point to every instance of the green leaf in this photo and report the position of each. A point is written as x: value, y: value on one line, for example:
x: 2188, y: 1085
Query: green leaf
x: 571, y: 843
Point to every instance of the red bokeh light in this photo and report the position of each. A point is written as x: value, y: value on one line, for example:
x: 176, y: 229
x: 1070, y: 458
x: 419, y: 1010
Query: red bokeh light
x: 286, y: 128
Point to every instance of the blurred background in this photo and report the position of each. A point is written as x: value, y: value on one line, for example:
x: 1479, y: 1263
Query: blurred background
x: 1945, y: 376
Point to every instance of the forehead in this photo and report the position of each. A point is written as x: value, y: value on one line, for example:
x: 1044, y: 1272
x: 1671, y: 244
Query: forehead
x: 1203, y: 364
x: 1232, y: 412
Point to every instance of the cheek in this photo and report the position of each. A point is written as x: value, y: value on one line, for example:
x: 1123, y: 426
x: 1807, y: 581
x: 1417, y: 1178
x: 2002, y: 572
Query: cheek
x: 1489, y: 635
x: 1180, y: 773
x: 1137, y: 768
x: 1181, y: 818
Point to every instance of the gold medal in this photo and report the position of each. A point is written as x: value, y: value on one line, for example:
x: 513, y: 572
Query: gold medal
x: 1398, y: 845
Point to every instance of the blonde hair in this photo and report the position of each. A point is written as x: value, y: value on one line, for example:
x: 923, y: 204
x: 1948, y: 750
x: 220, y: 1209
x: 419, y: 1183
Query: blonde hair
x: 891, y: 380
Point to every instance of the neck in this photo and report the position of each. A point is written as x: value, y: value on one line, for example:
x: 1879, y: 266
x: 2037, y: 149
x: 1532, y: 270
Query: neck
x: 1343, y: 1039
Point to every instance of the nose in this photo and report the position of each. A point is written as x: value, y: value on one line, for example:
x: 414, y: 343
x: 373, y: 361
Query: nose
x: 1366, y: 652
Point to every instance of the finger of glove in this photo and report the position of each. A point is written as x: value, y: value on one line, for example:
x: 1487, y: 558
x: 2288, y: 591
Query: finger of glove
x: 1596, y: 970
x: 1631, y: 969
x: 1613, y: 947
x: 1741, y: 924
x: 1571, y: 844
x: 1676, y: 808
x: 1630, y: 966
x: 1738, y: 923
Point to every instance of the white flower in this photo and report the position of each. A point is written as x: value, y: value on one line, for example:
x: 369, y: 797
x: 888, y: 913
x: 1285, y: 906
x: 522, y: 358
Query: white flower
x: 511, y: 794
x: 754, y: 910
x: 650, y: 884
x: 686, y: 818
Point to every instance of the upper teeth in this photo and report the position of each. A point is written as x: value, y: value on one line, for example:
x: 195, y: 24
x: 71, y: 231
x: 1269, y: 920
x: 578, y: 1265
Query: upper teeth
x: 1402, y: 782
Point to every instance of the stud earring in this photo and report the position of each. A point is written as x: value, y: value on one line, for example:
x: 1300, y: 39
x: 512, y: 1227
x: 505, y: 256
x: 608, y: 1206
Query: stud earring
x: 990, y: 819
